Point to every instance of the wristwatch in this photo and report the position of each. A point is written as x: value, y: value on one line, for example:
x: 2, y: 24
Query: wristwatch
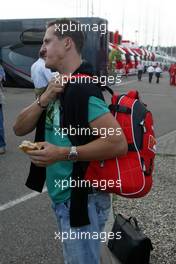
x: 73, y: 154
x: 39, y: 103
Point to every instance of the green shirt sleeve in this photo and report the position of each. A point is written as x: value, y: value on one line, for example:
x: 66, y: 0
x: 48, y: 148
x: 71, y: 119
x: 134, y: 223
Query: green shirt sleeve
x: 96, y: 108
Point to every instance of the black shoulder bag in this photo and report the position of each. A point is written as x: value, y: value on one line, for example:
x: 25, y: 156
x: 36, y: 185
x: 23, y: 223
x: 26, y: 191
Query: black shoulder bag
x: 129, y: 244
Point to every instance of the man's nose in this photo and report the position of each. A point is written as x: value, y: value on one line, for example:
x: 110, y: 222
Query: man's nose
x: 43, y: 49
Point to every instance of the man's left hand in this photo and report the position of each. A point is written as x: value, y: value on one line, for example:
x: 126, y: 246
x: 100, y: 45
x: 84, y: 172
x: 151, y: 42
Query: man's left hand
x: 49, y: 154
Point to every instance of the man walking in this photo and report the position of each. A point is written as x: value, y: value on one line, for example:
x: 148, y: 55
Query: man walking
x: 150, y: 71
x: 140, y: 69
x: 126, y: 70
x: 79, y: 209
x: 158, y: 72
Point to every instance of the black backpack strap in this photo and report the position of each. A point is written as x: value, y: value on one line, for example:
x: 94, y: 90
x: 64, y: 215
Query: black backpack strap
x: 74, y: 114
x: 119, y: 109
x: 107, y: 88
x: 131, y: 147
x: 37, y: 175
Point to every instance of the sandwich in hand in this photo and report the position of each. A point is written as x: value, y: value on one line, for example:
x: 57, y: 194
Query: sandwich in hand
x: 27, y: 145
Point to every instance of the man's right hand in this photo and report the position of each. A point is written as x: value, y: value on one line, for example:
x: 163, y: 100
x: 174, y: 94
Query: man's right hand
x: 55, y: 87
x: 27, y: 120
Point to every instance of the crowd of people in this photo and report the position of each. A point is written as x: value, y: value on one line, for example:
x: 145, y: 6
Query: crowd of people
x: 157, y: 71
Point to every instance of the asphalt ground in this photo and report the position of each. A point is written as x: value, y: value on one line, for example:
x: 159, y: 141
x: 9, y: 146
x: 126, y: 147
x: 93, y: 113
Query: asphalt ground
x: 27, y: 222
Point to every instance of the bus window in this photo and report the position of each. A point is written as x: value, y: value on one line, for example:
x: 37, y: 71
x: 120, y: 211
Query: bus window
x: 32, y: 36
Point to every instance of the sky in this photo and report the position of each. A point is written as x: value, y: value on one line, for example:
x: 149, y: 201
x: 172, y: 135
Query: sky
x: 149, y: 22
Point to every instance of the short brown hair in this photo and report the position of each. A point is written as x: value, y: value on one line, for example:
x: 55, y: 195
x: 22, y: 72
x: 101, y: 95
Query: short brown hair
x: 77, y: 35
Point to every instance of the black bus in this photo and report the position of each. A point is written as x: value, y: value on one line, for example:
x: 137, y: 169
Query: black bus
x: 21, y: 39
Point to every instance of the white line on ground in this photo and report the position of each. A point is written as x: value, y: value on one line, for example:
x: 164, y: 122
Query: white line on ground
x: 20, y: 200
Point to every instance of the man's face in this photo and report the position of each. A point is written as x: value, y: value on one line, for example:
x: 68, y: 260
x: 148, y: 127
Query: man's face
x: 54, y: 50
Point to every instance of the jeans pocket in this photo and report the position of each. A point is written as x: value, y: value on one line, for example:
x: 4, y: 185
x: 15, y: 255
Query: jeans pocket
x: 103, y: 201
x: 103, y: 207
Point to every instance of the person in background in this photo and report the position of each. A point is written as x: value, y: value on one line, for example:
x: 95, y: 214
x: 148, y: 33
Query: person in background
x: 150, y: 71
x: 126, y: 70
x: 172, y: 73
x: 2, y: 76
x: 40, y: 75
x: 158, y: 72
x: 145, y: 68
x: 2, y: 136
x: 140, y: 69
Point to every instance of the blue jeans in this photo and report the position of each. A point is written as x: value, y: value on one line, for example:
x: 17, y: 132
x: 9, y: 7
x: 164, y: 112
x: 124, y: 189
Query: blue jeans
x: 2, y: 138
x: 82, y: 245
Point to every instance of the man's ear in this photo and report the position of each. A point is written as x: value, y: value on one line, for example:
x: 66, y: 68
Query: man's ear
x: 68, y: 43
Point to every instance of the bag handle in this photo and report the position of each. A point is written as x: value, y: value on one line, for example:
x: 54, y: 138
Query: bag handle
x: 132, y: 218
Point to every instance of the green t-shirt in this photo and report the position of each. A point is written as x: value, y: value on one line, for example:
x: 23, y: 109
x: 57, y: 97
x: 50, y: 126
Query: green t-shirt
x: 58, y: 175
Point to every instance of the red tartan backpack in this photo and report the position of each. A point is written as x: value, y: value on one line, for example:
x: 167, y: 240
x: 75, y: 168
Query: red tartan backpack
x: 130, y: 175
